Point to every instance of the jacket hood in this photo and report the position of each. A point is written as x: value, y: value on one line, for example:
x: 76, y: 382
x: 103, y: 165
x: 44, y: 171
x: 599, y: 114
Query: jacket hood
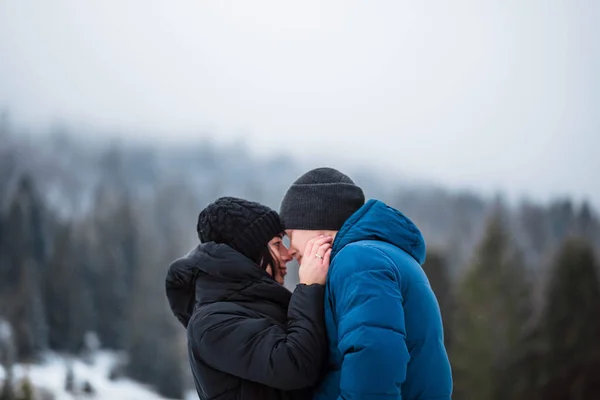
x: 214, y: 272
x: 378, y: 221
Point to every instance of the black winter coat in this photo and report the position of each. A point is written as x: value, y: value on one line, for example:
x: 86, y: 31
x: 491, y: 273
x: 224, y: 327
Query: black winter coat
x: 249, y: 338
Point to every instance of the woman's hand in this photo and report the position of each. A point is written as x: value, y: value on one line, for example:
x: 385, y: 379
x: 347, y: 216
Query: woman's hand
x: 315, y: 261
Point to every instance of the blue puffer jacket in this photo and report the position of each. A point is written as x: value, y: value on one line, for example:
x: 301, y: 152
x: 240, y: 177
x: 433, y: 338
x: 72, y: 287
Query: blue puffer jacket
x: 383, y: 321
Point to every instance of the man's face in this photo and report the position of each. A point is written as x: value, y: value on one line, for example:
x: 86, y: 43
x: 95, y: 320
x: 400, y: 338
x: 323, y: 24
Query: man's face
x: 298, y: 239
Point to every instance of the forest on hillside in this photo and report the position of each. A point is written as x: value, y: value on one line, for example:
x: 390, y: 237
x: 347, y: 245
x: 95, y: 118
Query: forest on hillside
x: 87, y: 231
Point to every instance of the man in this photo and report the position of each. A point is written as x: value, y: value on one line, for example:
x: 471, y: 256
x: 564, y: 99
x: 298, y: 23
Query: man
x: 386, y: 339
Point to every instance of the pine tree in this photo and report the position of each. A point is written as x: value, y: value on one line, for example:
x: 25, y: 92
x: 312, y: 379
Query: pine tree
x: 569, y: 328
x: 562, y: 218
x: 437, y: 272
x: 85, y: 263
x: 492, y: 306
x: 115, y: 261
x: 585, y: 221
x: 64, y: 294
x: 21, y: 297
x: 112, y: 256
x: 536, y: 226
x: 156, y: 356
x: 144, y: 346
x: 29, y: 318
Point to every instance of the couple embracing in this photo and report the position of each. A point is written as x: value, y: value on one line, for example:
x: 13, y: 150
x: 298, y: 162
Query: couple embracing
x: 363, y: 323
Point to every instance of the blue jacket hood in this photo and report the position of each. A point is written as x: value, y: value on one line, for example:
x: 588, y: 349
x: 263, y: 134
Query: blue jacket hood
x: 378, y: 221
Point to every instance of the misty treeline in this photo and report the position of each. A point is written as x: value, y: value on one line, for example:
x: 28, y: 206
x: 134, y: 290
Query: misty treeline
x: 87, y: 232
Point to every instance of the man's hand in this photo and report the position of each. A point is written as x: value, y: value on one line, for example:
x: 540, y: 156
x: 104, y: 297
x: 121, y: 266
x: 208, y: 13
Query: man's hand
x: 315, y: 261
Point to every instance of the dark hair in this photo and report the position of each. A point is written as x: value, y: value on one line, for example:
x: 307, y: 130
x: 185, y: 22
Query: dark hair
x: 265, y: 257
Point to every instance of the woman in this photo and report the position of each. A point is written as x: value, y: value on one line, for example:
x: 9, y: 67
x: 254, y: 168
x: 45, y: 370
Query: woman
x: 248, y: 336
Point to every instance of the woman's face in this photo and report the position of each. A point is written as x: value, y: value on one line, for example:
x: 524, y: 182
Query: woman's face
x: 282, y: 256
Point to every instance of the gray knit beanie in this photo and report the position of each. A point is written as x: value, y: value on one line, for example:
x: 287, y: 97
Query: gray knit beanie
x: 321, y: 199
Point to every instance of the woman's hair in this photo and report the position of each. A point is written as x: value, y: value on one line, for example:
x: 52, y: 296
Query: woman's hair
x: 265, y: 257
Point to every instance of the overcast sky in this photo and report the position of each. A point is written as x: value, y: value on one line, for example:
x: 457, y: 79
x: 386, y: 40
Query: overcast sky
x: 472, y: 94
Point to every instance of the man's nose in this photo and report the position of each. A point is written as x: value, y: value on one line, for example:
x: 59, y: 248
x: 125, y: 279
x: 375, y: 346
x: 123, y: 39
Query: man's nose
x: 288, y: 255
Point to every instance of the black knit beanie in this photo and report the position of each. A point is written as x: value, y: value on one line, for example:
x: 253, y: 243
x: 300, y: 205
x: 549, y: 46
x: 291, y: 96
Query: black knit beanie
x: 244, y: 225
x: 321, y: 199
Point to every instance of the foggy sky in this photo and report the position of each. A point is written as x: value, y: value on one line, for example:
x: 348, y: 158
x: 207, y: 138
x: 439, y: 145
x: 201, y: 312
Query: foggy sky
x: 470, y: 94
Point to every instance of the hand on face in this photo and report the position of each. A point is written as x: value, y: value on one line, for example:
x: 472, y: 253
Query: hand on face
x: 298, y: 241
x: 315, y: 261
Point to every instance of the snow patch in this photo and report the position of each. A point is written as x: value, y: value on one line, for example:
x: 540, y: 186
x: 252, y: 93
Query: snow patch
x: 51, y: 373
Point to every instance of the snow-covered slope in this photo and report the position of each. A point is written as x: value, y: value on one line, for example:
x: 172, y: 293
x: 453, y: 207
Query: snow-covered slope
x: 50, y: 375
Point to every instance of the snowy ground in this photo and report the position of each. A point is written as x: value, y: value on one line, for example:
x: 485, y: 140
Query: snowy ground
x: 50, y: 375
